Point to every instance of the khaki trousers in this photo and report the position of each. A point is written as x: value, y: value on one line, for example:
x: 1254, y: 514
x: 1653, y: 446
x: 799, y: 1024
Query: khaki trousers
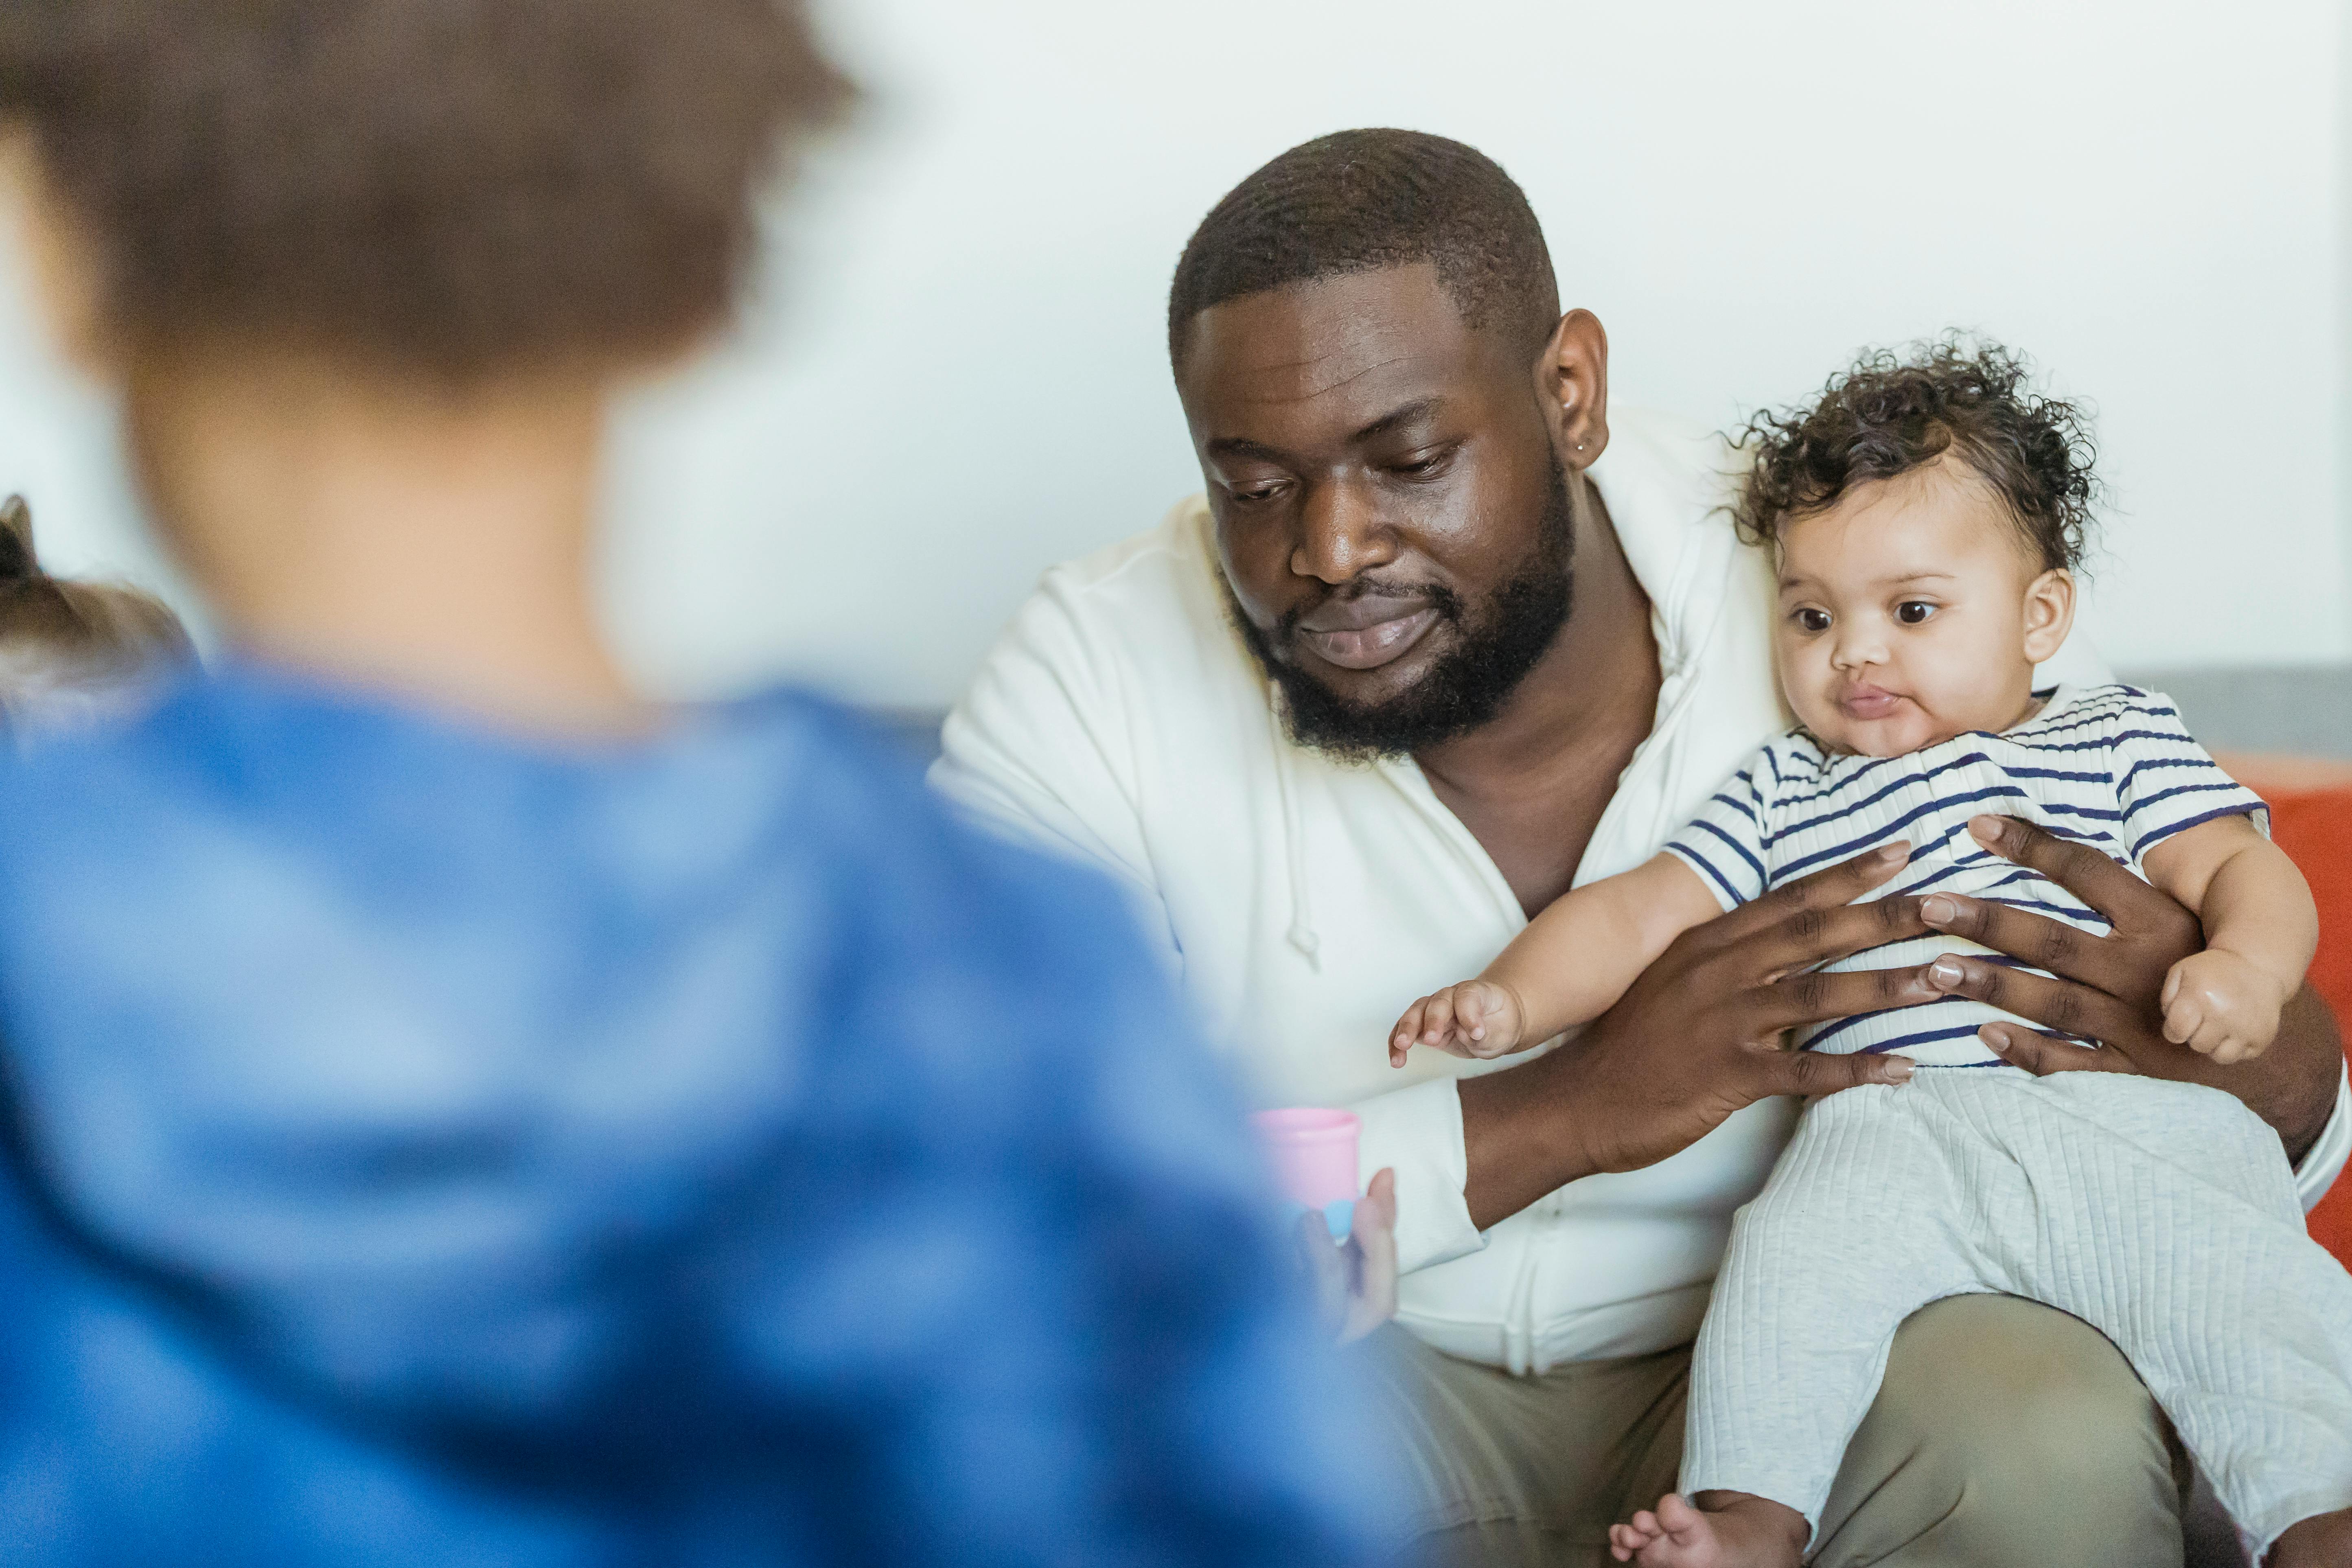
x: 2005, y: 1433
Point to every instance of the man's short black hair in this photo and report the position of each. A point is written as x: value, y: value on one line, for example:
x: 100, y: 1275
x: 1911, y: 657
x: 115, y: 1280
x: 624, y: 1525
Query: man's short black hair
x: 1357, y: 200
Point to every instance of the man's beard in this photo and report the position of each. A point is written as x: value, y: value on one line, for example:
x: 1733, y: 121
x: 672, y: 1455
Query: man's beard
x: 1467, y: 687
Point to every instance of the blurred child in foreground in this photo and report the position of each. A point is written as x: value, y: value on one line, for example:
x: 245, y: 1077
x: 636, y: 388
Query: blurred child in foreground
x: 422, y: 1148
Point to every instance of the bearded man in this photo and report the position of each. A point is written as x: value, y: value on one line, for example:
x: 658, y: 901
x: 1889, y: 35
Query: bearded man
x: 1445, y: 636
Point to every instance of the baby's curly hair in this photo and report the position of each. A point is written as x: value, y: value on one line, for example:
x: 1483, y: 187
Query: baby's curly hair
x: 1893, y: 412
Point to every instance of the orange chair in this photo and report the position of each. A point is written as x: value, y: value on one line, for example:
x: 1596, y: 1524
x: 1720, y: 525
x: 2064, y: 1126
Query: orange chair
x: 2311, y: 819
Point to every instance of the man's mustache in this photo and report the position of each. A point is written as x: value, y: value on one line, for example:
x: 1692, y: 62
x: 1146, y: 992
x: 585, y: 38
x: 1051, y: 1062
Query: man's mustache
x: 1351, y: 606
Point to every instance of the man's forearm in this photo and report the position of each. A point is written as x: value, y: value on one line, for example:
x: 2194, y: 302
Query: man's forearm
x: 1519, y: 1131
x: 2292, y: 1086
x: 1687, y: 1045
x: 1523, y: 1139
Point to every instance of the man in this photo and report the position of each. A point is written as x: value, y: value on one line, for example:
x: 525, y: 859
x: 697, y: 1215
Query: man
x: 1440, y: 640
x: 457, y: 1111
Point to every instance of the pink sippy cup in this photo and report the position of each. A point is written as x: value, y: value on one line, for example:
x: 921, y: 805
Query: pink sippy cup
x: 1314, y: 1156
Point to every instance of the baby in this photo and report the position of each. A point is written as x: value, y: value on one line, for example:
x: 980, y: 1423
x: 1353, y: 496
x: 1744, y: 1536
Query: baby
x: 75, y: 654
x: 1926, y: 517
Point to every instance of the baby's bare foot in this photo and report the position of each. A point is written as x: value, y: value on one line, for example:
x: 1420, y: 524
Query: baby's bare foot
x: 1724, y: 1530
x: 2323, y: 1540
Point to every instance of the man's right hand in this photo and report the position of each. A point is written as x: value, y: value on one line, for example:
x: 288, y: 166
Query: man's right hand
x: 1697, y: 1036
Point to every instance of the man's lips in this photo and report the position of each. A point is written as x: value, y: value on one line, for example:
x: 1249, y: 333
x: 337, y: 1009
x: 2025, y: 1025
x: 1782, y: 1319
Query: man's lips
x: 1868, y: 701
x: 1365, y: 634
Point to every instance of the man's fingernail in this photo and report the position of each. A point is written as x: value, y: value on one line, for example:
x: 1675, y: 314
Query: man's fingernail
x: 1900, y: 1068
x: 1940, y: 911
x: 1897, y: 851
x: 1996, y: 1037
x: 1944, y: 971
x: 1987, y: 829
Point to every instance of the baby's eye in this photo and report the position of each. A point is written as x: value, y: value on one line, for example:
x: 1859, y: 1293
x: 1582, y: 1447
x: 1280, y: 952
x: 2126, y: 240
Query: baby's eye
x: 1913, y: 612
x: 1814, y: 620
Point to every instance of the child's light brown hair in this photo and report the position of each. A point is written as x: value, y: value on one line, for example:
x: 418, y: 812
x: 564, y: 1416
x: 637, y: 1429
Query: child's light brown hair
x: 73, y: 651
x: 459, y: 188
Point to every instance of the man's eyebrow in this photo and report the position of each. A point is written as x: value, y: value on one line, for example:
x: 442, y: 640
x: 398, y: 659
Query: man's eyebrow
x: 1420, y: 407
x: 1243, y: 447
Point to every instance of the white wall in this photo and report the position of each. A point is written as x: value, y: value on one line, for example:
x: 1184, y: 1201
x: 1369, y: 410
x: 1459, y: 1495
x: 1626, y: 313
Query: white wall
x: 962, y: 379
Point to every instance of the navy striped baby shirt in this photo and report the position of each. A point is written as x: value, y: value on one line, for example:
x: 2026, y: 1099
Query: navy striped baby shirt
x: 2110, y: 766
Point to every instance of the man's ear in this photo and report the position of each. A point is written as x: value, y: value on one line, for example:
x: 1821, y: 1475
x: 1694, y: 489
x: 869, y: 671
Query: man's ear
x: 61, y: 259
x: 2048, y: 612
x: 1572, y: 388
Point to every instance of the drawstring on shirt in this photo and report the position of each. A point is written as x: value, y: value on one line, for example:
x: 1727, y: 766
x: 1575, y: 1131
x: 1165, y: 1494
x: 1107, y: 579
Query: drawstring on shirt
x: 1302, y: 934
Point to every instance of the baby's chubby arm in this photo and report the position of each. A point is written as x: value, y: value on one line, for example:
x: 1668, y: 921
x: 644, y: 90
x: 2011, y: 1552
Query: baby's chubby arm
x: 1569, y: 965
x: 2261, y: 929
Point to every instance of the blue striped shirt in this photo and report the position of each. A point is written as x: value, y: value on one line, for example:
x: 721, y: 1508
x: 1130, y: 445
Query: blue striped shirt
x: 2110, y: 766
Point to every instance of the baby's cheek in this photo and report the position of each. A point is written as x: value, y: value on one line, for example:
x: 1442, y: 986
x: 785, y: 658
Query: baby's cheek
x: 1789, y: 664
x: 1805, y: 675
x: 1971, y: 683
x: 1814, y: 709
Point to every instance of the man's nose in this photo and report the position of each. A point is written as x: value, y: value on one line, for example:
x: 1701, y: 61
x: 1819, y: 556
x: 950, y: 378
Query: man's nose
x: 1340, y: 534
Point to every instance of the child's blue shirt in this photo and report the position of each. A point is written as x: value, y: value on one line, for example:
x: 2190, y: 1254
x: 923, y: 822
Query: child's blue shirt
x: 434, y: 1148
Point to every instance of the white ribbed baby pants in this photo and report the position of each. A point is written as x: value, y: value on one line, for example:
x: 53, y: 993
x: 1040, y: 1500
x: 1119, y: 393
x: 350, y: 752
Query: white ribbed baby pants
x: 2161, y: 1213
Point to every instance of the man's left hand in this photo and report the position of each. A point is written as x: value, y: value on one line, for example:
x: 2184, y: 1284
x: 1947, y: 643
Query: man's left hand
x: 2109, y: 988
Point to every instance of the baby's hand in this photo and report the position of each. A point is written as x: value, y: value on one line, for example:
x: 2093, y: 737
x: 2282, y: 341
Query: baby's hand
x: 2218, y: 1003
x: 1476, y: 1018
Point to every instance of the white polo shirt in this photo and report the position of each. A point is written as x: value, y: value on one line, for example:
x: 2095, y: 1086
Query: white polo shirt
x: 1304, y: 902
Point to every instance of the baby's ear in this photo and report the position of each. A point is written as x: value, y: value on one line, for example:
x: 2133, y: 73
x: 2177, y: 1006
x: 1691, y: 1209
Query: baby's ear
x: 17, y: 557
x: 2049, y: 614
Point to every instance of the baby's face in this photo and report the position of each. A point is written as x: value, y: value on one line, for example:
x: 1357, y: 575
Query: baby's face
x: 1911, y: 612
